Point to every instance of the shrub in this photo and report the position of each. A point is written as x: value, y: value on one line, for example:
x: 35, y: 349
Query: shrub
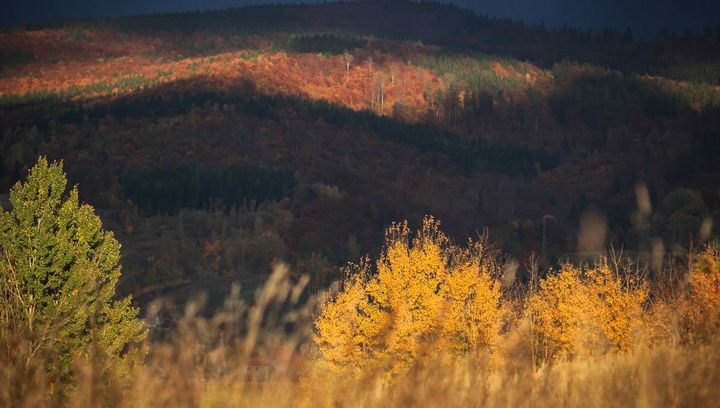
x: 700, y: 306
x: 428, y: 298
x: 581, y: 311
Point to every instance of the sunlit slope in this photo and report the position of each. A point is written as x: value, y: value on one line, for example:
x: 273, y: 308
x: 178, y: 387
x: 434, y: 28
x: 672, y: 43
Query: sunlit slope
x: 80, y: 62
x: 482, y: 122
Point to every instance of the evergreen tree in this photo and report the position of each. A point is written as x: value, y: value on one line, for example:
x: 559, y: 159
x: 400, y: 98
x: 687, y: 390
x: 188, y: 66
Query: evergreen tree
x: 58, y: 271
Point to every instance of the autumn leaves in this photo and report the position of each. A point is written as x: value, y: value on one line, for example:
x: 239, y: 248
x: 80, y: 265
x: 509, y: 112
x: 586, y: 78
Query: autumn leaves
x: 426, y: 299
x: 98, y: 67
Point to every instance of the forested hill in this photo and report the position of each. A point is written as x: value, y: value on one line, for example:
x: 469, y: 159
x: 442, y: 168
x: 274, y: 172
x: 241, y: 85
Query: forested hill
x: 449, y: 26
x: 216, y: 142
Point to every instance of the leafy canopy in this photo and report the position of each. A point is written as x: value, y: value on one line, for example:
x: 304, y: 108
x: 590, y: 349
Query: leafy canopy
x: 427, y: 299
x: 700, y: 305
x: 585, y: 310
x: 59, y: 269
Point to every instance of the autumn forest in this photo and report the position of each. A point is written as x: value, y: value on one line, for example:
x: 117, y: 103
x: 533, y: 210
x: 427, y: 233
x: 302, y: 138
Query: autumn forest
x: 357, y: 204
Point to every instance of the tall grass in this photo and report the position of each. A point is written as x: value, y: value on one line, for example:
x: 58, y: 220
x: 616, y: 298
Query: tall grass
x: 221, y: 361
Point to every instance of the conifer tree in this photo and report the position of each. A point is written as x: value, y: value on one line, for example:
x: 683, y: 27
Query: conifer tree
x: 58, y: 272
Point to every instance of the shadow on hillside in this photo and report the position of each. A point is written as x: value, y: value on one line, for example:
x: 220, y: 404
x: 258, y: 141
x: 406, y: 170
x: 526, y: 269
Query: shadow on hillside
x: 182, y: 96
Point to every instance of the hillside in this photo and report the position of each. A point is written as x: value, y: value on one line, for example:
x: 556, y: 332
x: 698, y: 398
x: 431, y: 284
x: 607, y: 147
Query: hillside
x: 215, y: 143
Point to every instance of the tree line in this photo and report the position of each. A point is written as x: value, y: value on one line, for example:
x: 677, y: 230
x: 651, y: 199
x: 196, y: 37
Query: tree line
x: 470, y: 155
x: 165, y: 190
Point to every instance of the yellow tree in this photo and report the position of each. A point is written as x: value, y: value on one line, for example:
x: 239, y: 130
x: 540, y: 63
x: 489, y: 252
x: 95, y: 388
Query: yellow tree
x: 700, y: 307
x: 621, y: 299
x: 425, y: 299
x: 583, y: 310
x: 559, y: 313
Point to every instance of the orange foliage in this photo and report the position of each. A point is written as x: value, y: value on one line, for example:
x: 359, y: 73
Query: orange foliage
x: 581, y: 311
x: 701, y: 305
x: 117, y: 59
x: 428, y: 299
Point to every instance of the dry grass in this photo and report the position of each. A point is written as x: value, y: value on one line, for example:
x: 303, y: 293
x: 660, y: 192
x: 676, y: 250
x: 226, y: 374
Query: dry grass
x: 204, y: 362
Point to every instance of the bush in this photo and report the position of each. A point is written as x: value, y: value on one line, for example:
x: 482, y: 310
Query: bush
x: 701, y: 304
x: 583, y: 311
x: 428, y: 298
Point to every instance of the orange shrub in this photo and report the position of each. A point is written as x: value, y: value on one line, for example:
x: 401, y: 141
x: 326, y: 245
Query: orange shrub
x: 700, y: 307
x: 586, y: 310
x: 427, y: 299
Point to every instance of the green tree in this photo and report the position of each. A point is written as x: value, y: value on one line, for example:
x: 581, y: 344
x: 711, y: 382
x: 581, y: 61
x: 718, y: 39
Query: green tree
x: 58, y: 272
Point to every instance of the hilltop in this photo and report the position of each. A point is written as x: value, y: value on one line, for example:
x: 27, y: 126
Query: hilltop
x: 216, y: 142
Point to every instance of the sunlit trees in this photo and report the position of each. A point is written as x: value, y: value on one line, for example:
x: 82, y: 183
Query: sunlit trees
x: 426, y: 298
x: 585, y: 310
x: 701, y: 304
x: 58, y: 271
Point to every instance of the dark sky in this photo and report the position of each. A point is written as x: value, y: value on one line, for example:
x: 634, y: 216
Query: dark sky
x: 677, y: 16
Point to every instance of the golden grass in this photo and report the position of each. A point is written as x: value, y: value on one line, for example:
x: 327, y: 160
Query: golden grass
x: 204, y: 362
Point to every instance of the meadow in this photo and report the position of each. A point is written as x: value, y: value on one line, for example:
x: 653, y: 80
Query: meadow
x: 428, y: 322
